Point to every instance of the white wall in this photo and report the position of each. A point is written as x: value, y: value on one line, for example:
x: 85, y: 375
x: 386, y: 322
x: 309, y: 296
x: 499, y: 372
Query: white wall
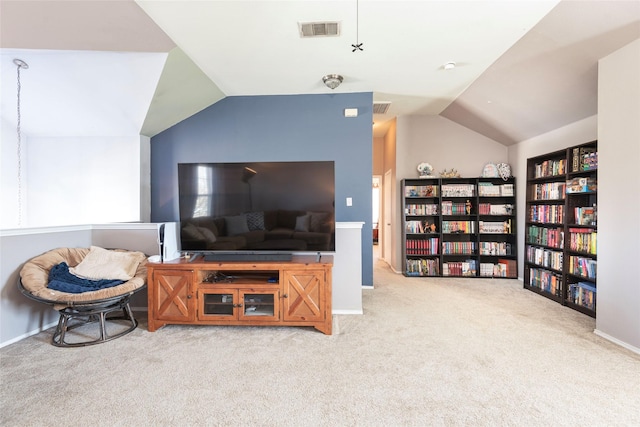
x: 346, y: 292
x: 73, y: 180
x: 9, y: 174
x: 145, y: 178
x: 78, y: 180
x: 445, y: 145
x: 576, y: 133
x: 618, y: 300
x: 82, y: 156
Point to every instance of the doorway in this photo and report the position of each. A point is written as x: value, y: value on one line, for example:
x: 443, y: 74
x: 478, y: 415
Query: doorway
x: 375, y: 207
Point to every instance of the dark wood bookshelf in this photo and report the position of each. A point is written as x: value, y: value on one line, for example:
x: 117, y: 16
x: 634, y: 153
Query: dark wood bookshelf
x: 459, y: 227
x: 564, y: 183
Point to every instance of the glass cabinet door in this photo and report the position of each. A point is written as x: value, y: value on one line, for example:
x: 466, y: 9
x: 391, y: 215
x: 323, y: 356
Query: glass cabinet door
x: 238, y: 304
x: 259, y: 305
x: 218, y: 304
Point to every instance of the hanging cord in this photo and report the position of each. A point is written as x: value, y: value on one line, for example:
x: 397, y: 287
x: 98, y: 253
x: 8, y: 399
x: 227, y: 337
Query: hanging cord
x: 19, y: 64
x: 358, y: 45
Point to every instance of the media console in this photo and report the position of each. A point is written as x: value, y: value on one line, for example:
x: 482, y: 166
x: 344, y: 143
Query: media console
x: 264, y: 293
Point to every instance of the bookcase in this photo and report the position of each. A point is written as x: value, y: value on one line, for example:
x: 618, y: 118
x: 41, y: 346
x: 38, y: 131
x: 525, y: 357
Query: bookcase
x: 456, y: 227
x: 560, y: 254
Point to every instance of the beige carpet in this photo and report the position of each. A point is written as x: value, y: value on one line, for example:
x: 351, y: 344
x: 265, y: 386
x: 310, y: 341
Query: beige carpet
x: 426, y: 352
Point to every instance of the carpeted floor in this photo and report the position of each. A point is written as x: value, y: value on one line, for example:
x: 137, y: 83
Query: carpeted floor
x: 426, y: 352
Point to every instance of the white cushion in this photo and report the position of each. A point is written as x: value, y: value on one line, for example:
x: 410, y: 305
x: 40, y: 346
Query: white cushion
x: 105, y: 264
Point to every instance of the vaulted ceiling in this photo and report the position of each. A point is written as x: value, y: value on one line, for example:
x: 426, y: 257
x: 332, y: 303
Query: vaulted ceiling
x: 522, y: 67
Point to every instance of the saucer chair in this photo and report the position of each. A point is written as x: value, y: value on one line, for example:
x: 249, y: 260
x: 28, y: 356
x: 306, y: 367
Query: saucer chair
x: 78, y: 309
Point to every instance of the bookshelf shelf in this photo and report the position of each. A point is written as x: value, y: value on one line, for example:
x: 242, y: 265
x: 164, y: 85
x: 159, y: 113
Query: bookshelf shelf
x: 469, y: 230
x: 561, y: 227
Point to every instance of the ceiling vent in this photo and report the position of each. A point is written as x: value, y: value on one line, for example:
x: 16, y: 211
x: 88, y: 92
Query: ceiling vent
x: 319, y: 29
x: 381, y: 107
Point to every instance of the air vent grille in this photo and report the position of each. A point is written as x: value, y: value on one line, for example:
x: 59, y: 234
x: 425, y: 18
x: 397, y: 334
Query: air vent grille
x: 319, y: 29
x: 381, y: 107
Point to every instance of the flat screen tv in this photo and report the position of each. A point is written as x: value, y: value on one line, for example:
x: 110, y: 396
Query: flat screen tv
x: 257, y: 210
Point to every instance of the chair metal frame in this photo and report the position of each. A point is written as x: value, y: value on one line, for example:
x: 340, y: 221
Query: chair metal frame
x: 86, y: 312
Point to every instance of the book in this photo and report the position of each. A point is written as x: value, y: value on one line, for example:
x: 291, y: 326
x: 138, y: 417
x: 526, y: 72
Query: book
x: 581, y: 185
x: 585, y: 215
x: 421, y: 191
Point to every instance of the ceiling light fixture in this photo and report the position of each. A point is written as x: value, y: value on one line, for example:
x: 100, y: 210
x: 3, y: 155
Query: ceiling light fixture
x: 332, y: 81
x: 449, y: 65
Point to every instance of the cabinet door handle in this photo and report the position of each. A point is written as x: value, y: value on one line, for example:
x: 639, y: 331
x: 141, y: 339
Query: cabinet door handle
x: 237, y: 305
x: 189, y: 296
x: 285, y: 296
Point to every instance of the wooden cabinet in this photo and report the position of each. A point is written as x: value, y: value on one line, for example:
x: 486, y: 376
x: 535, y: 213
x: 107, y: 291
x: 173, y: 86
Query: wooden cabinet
x: 304, y: 295
x: 459, y: 227
x: 171, y: 297
x: 293, y: 293
x: 561, y: 226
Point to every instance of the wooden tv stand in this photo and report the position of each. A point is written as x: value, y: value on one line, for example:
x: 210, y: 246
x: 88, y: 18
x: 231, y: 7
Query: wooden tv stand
x: 265, y: 293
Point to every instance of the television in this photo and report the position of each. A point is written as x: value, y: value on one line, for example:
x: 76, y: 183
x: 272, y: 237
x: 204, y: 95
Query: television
x: 256, y: 210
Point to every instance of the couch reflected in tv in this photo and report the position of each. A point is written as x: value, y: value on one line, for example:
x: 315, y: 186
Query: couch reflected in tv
x: 275, y: 230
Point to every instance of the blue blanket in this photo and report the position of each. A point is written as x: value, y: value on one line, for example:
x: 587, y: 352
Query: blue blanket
x: 62, y: 280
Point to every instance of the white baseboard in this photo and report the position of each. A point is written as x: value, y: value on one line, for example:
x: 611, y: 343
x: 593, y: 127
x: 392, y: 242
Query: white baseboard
x: 617, y: 341
x: 346, y: 312
x: 28, y: 334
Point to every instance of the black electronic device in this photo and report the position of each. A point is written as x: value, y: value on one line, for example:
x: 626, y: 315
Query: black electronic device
x: 257, y: 210
x: 161, y: 241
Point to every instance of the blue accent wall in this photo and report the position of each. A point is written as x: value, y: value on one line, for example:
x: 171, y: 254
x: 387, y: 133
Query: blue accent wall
x: 275, y: 128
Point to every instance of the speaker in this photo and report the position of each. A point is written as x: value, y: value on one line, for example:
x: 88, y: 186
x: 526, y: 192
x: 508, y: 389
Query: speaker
x: 168, y: 241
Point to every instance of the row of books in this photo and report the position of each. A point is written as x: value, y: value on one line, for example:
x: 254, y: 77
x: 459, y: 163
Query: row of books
x: 421, y: 191
x: 451, y: 208
x: 545, y: 280
x: 548, y: 191
x: 585, y: 215
x: 430, y: 247
x: 458, y: 190
x: 583, y: 294
x: 503, y: 268
x: 422, y: 267
x: 552, y: 237
x: 466, y: 227
x: 550, y: 168
x: 583, y: 240
x: 422, y: 246
x: 495, y: 209
x: 546, y: 214
x: 488, y: 189
x: 545, y: 257
x: 582, y: 185
x: 493, y: 227
x: 459, y: 268
x: 421, y: 209
x: 455, y: 208
x: 581, y: 266
x: 415, y: 226
x: 466, y: 248
x: 496, y: 248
